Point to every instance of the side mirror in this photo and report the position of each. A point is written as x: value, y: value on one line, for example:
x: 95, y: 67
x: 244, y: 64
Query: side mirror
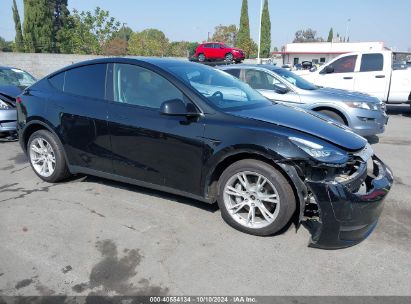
x: 281, y: 88
x: 176, y: 107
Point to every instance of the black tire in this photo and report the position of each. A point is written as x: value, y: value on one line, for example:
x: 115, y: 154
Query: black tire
x: 61, y: 171
x: 283, y: 187
x: 334, y: 116
x: 201, y: 57
x: 229, y: 57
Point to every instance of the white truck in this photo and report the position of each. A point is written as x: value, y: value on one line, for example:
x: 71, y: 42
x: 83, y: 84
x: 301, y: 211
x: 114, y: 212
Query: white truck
x: 368, y: 72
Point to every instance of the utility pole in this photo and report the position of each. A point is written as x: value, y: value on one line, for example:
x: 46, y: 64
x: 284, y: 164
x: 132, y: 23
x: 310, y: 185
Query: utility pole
x: 259, y: 35
x: 347, y: 28
x: 124, y: 31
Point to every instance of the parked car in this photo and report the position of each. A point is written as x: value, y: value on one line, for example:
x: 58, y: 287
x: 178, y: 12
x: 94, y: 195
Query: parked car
x: 218, y: 51
x: 192, y: 130
x: 307, y: 65
x: 362, y: 113
x: 12, y: 83
x: 367, y: 72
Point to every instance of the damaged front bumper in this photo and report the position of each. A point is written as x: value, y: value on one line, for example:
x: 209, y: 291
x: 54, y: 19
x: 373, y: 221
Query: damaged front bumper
x: 347, y: 210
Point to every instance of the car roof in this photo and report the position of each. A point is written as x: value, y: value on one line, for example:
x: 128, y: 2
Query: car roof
x: 250, y: 66
x: 161, y: 63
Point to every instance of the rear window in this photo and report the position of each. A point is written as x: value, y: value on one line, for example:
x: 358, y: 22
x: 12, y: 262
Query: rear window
x: 372, y: 62
x: 58, y: 81
x: 87, y: 81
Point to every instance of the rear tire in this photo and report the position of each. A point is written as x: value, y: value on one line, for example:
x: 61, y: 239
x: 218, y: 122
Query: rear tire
x: 267, y: 200
x: 46, y: 157
x: 229, y: 57
x: 334, y: 116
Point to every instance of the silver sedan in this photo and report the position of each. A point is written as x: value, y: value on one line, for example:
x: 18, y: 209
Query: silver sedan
x: 361, y: 112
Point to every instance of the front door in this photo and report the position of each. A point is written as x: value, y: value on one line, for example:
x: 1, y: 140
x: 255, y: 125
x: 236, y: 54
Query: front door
x: 149, y: 146
x: 343, y: 76
x: 266, y: 84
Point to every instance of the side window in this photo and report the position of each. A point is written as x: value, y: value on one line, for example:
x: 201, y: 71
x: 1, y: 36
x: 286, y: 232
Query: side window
x: 208, y: 45
x: 260, y: 80
x: 234, y: 72
x: 87, y: 81
x: 345, y: 64
x: 57, y: 81
x: 139, y: 86
x: 372, y: 62
x: 216, y: 45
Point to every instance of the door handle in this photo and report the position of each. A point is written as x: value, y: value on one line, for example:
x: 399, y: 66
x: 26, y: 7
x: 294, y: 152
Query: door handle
x: 380, y: 76
x: 347, y: 78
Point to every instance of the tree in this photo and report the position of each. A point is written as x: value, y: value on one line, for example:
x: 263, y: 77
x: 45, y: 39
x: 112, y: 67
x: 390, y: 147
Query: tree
x: 38, y: 26
x: 115, y: 47
x: 60, y: 19
x: 19, y: 40
x: 265, y: 31
x: 150, y: 42
x: 124, y: 33
x: 179, y: 49
x: 308, y: 35
x: 88, y: 33
x: 243, y: 38
x: 225, y: 33
x: 330, y: 35
x: 5, y: 46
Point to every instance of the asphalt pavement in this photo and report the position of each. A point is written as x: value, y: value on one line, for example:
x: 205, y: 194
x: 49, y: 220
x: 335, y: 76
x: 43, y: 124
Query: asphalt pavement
x: 93, y: 236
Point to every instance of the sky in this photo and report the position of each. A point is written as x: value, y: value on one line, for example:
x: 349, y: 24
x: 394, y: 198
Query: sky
x: 191, y: 20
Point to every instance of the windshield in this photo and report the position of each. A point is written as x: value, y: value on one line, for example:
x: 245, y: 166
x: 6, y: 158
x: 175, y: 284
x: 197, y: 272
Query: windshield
x: 296, y: 80
x: 221, y: 89
x: 15, y: 77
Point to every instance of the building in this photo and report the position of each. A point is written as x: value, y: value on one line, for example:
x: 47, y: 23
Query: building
x: 321, y: 52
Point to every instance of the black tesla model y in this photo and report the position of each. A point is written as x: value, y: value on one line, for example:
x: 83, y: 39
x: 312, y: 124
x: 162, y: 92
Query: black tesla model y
x: 195, y: 131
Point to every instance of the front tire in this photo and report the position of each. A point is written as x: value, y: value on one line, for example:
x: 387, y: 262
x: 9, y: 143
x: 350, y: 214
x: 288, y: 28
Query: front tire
x: 46, y: 157
x: 201, y: 58
x: 255, y: 198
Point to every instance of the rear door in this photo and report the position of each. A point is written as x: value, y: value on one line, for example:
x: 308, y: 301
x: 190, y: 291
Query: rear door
x: 373, y: 75
x: 218, y: 51
x: 80, y: 104
x: 343, y: 76
x: 208, y: 50
x: 149, y: 146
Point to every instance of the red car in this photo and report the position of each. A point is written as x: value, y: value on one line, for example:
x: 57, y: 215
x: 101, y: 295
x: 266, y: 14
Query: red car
x: 218, y: 51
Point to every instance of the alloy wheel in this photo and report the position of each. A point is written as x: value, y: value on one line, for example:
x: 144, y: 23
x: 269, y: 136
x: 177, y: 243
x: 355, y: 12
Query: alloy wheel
x: 42, y: 157
x: 251, y: 200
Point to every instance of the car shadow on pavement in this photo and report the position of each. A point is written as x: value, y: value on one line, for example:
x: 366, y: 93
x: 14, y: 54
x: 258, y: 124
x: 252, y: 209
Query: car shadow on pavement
x: 146, y: 191
x: 400, y: 110
x: 373, y: 139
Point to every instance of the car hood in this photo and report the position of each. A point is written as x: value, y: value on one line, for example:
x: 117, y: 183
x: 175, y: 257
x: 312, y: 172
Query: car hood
x: 307, y: 122
x: 344, y: 95
x: 11, y: 91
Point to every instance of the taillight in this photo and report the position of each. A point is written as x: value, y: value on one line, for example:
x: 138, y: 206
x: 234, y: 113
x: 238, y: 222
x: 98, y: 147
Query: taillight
x: 19, y: 100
